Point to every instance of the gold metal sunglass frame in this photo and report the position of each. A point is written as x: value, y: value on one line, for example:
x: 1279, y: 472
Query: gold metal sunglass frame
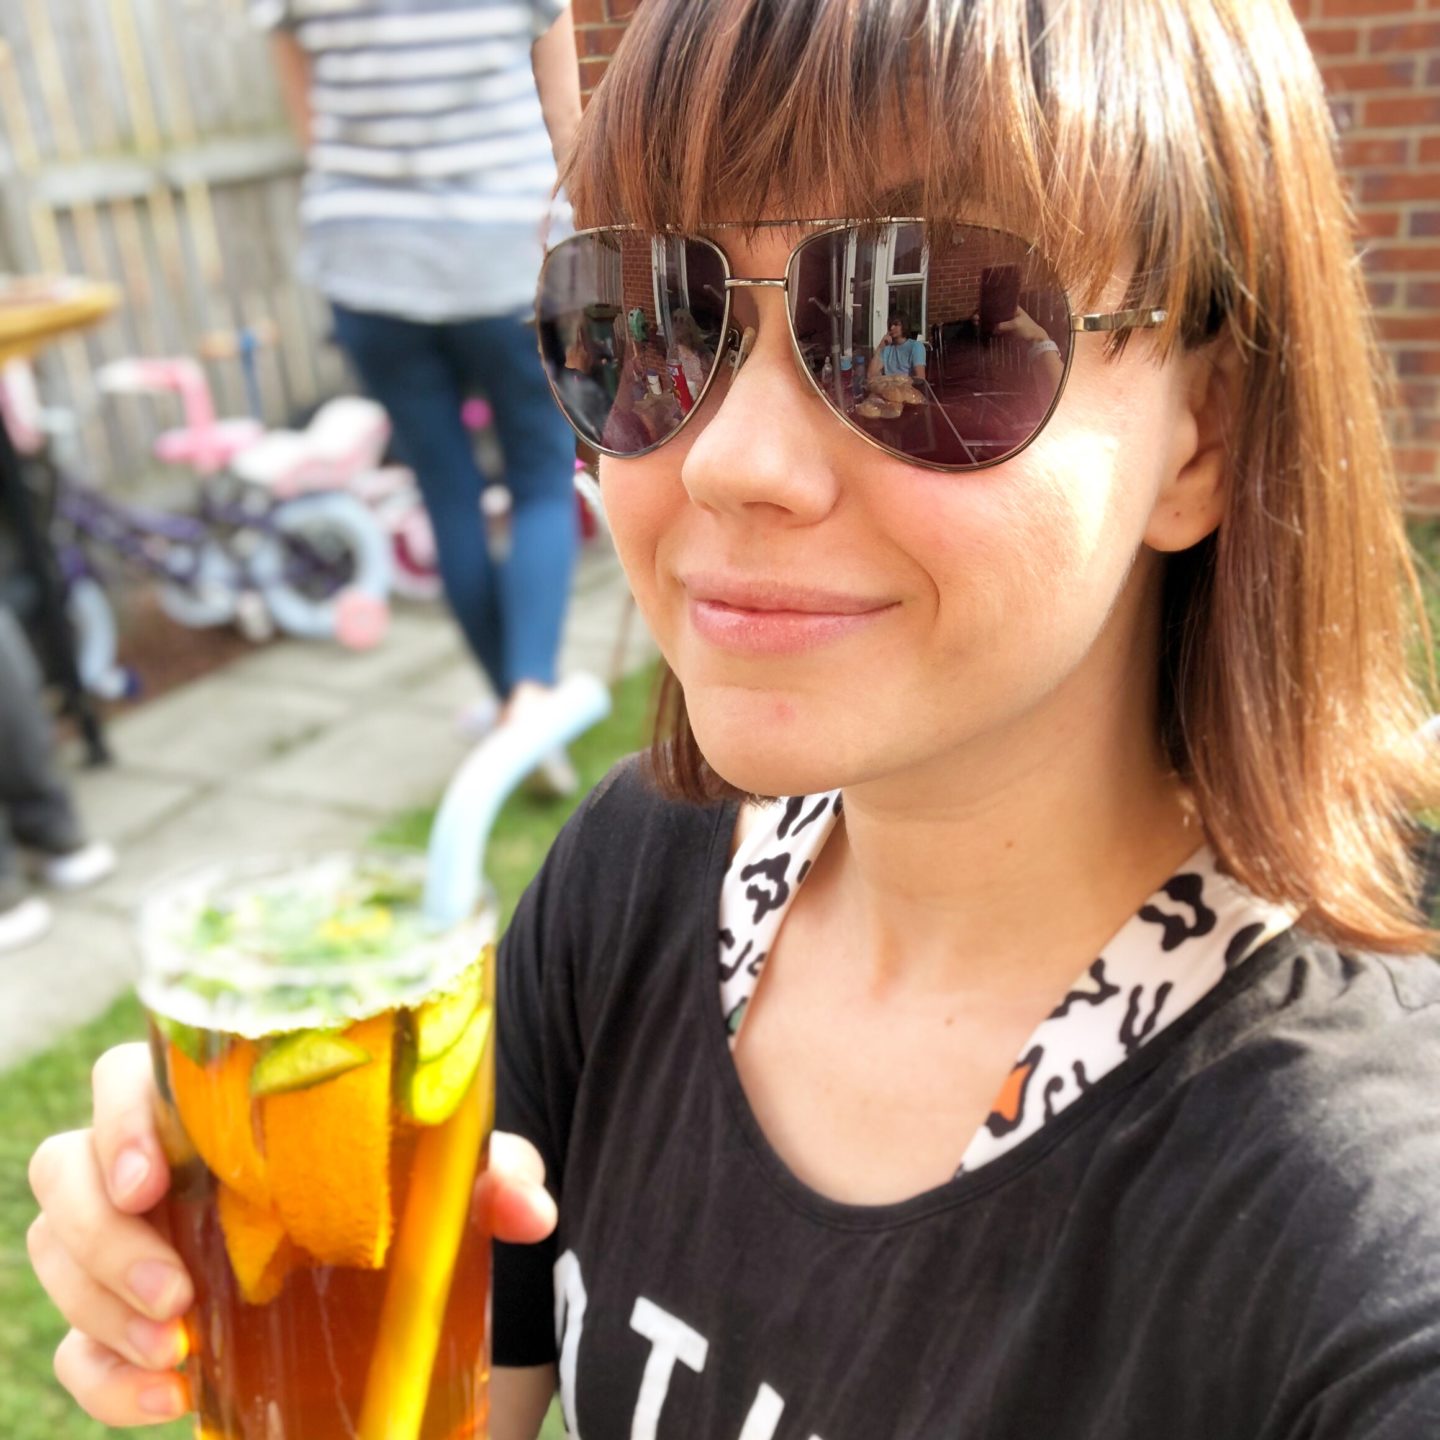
x: 731, y: 341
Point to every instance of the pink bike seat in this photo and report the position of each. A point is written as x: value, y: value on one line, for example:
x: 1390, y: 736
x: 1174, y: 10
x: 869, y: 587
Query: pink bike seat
x: 346, y: 437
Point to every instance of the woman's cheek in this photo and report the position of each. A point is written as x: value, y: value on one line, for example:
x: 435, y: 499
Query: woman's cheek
x: 636, y: 515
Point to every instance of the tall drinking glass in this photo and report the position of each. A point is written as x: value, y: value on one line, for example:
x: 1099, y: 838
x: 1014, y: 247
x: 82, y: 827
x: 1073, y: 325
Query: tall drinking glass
x: 324, y: 1062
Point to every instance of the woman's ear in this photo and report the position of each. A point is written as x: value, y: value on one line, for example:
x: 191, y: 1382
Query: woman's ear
x: 1192, y: 500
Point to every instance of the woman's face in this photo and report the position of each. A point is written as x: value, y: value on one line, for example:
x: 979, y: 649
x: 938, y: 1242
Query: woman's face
x: 837, y: 616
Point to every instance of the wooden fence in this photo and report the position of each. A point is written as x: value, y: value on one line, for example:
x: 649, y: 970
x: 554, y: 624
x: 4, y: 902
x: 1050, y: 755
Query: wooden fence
x: 144, y: 143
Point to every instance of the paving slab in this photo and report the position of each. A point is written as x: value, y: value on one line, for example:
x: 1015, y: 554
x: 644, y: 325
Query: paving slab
x: 389, y: 758
x: 119, y: 804
x: 225, y: 824
x: 69, y: 977
x: 223, y: 725
x: 419, y: 636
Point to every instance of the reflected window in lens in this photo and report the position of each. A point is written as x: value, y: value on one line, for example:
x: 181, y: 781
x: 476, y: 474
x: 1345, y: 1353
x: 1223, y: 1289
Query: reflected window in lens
x: 976, y: 361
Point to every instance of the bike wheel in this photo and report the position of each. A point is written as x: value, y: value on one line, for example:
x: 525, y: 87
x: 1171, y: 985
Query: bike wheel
x: 204, y: 592
x: 327, y: 572
x: 96, y: 640
x: 417, y: 571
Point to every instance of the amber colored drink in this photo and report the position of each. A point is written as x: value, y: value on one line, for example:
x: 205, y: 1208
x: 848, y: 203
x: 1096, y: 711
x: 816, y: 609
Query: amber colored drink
x: 324, y: 1173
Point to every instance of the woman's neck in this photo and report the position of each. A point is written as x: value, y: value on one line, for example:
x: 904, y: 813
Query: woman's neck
x: 1012, y: 863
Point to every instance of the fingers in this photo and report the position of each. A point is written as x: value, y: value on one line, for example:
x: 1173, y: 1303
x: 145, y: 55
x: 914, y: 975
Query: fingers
x: 516, y: 1158
x: 114, y: 1392
x: 121, y: 1253
x: 521, y: 1209
x: 128, y: 1150
x: 103, y: 1316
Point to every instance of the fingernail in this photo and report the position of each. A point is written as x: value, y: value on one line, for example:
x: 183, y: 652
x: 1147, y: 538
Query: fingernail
x: 161, y: 1400
x: 132, y: 1169
x: 162, y: 1346
x: 158, y: 1287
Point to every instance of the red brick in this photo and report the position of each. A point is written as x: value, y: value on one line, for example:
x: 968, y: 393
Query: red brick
x: 1385, y: 39
x: 1384, y: 9
x: 1383, y: 293
x: 1410, y: 327
x: 1386, y: 259
x: 1430, y: 149
x: 1425, y: 428
x: 1417, y: 460
x: 1408, y: 110
x: 1378, y: 224
x: 1422, y: 295
x: 621, y: 9
x: 1363, y: 152
x: 588, y: 12
x: 1401, y: 185
x: 1423, y: 223
x: 1418, y: 396
x: 1417, y: 362
x: 1335, y: 42
x: 1369, y: 75
x: 592, y: 72
x: 592, y: 41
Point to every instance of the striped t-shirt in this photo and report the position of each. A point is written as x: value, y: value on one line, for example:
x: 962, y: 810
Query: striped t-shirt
x: 430, y: 168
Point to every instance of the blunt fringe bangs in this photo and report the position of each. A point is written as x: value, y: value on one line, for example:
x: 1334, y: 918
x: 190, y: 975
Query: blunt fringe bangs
x: 1188, y: 139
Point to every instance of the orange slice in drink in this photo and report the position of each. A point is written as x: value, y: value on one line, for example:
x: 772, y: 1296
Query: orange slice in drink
x: 261, y: 1254
x: 328, y: 1153
x: 215, y: 1108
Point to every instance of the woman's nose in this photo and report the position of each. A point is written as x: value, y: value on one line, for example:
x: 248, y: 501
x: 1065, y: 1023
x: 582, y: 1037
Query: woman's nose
x: 761, y: 442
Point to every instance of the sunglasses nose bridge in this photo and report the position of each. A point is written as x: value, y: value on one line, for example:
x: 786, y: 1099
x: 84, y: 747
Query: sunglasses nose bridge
x: 741, y: 341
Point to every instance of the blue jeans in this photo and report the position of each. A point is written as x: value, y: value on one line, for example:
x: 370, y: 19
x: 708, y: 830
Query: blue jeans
x: 511, y: 612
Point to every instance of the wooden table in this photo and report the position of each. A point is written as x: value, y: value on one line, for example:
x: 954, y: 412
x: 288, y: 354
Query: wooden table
x: 34, y: 313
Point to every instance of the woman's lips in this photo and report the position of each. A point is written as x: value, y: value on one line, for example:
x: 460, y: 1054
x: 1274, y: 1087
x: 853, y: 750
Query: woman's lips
x: 767, y: 619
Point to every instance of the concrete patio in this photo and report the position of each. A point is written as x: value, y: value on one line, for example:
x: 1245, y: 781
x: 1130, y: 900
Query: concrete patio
x: 298, y: 746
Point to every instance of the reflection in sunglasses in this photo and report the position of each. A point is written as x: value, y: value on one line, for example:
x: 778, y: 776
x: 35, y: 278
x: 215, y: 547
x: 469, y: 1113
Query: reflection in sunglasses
x: 945, y: 345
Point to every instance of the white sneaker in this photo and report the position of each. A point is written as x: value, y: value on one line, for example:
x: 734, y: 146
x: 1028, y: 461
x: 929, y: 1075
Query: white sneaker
x: 78, y: 870
x: 554, y: 777
x: 477, y: 720
x: 25, y: 923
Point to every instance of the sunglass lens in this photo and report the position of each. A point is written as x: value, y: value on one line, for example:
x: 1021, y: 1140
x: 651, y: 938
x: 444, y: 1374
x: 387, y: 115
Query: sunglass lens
x: 946, y: 346
x: 630, y: 330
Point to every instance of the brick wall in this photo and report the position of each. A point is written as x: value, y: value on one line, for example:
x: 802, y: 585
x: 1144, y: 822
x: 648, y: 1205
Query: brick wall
x: 1381, y: 62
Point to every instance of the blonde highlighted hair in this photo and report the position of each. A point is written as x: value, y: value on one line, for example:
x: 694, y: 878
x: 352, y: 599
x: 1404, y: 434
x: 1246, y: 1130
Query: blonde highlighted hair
x: 1191, y: 136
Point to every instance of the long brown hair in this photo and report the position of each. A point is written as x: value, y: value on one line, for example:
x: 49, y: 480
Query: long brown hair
x: 1193, y: 134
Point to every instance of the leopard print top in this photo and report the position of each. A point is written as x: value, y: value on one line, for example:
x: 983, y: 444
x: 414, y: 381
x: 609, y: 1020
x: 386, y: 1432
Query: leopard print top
x: 1173, y: 951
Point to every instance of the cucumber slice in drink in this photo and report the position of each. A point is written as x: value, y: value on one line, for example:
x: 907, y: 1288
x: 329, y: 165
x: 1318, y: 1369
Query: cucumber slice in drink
x: 432, y: 1092
x: 303, y: 1059
x: 439, y: 1023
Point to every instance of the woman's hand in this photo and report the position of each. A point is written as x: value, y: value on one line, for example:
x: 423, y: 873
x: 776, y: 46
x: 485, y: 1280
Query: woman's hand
x: 117, y: 1282
x: 121, y: 1287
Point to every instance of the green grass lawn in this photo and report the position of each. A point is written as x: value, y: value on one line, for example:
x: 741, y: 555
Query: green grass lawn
x: 51, y: 1092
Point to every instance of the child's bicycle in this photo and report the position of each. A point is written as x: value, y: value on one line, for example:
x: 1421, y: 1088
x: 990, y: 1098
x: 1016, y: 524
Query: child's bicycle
x: 314, y: 565
x: 344, y: 447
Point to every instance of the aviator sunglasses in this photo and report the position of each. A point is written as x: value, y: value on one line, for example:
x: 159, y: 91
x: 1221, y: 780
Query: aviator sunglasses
x: 947, y: 345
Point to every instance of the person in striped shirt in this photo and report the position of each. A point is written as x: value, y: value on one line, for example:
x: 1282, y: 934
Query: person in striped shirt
x: 431, y: 167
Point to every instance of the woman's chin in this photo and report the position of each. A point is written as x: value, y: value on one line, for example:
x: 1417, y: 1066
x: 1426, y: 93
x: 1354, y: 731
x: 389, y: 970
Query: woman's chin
x: 761, y: 760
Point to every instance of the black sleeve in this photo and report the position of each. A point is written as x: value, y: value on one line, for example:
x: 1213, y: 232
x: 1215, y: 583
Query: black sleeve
x: 539, y: 1058
x: 1364, y: 1319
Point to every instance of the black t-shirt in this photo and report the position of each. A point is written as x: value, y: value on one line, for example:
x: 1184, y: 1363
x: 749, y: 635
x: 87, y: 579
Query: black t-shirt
x: 1235, y: 1235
